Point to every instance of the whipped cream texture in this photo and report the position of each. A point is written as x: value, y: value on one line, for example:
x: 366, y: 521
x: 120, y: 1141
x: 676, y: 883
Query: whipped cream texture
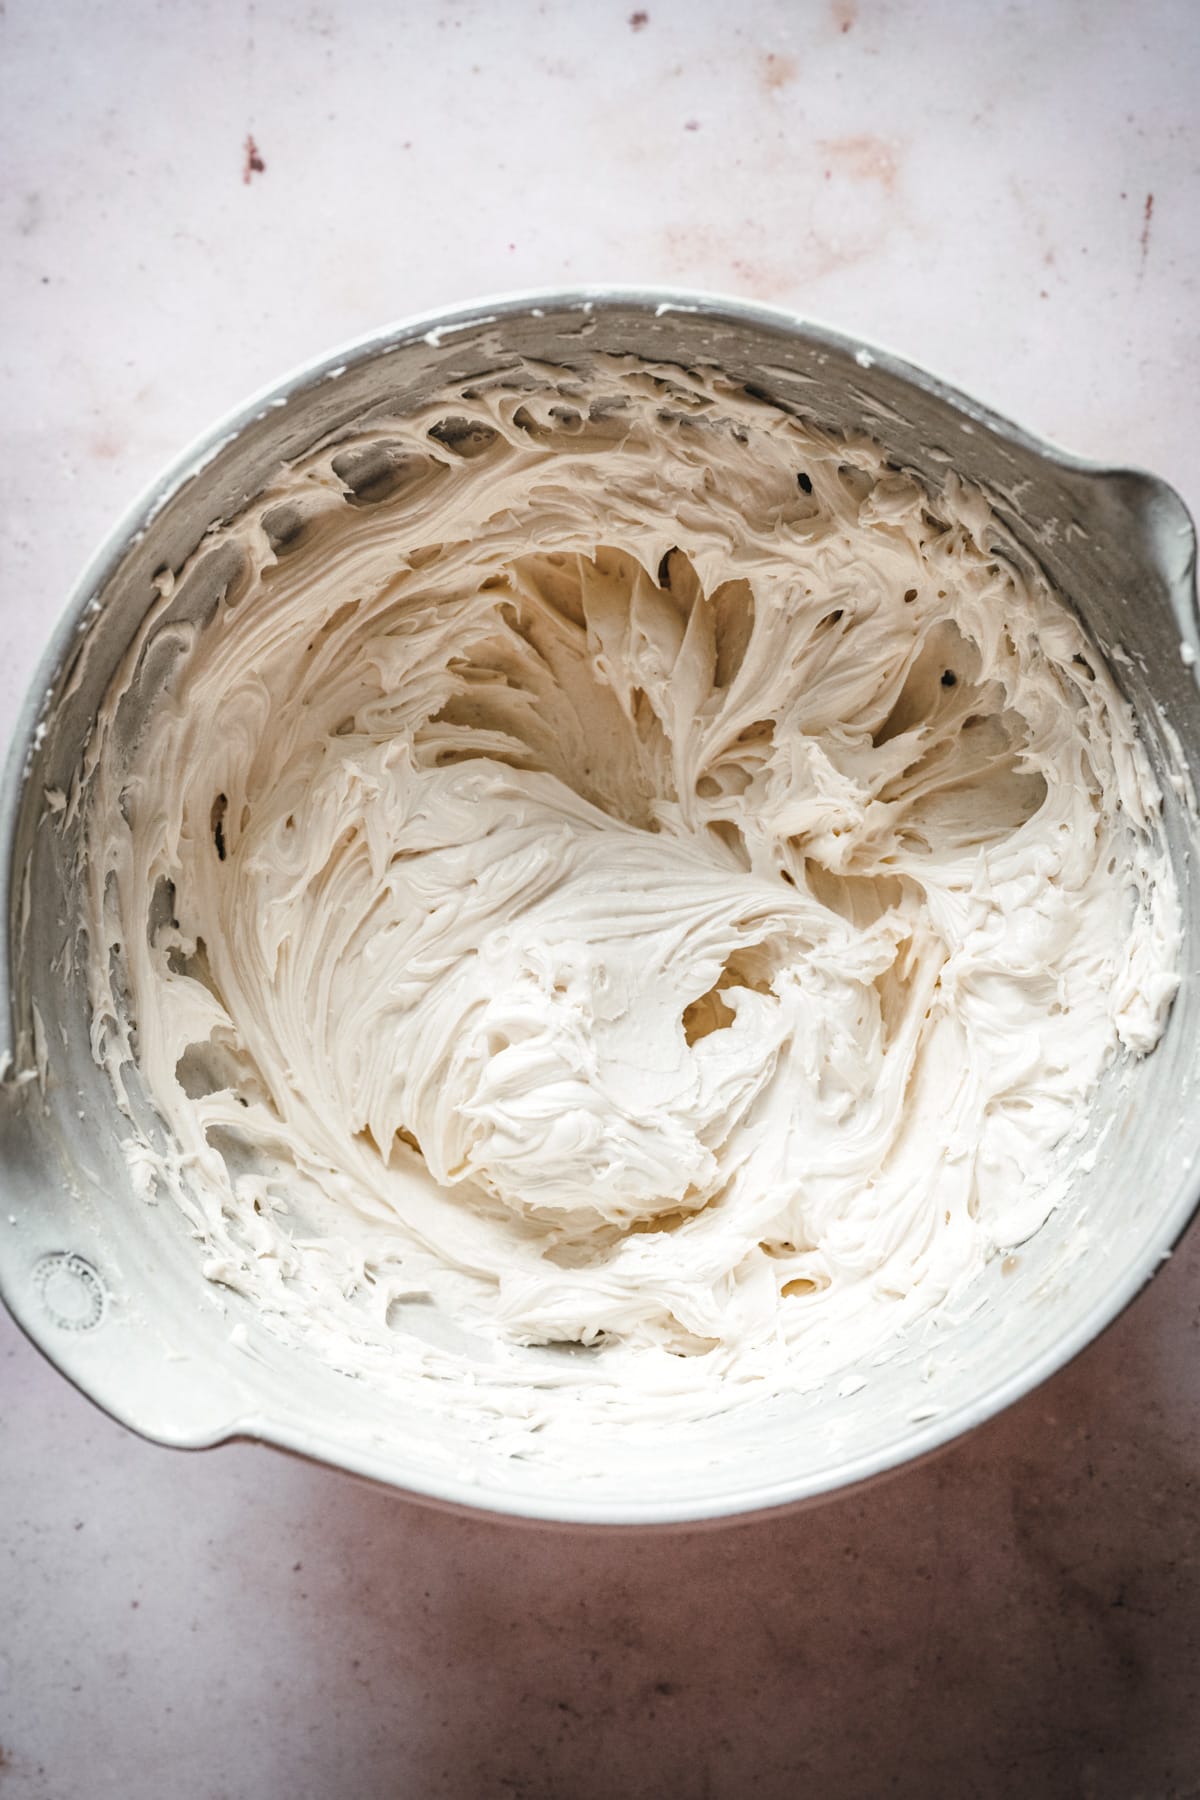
x: 617, y: 868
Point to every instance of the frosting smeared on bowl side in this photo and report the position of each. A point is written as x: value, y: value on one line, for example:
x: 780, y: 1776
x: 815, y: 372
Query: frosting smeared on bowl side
x: 615, y: 867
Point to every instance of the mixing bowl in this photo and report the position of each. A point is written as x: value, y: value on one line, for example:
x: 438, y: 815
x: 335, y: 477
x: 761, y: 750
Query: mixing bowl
x: 110, y: 1286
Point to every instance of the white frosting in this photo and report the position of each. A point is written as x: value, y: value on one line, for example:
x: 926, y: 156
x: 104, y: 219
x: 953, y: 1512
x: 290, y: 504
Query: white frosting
x: 645, y: 875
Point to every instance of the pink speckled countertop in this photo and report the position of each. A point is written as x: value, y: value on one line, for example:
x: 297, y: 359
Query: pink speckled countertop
x: 197, y: 197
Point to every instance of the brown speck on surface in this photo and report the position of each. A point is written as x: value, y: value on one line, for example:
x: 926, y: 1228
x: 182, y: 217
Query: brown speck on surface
x: 691, y: 125
x: 777, y: 71
x: 254, y: 164
x: 863, y: 158
x: 844, y: 14
x: 638, y: 21
x: 1147, y: 216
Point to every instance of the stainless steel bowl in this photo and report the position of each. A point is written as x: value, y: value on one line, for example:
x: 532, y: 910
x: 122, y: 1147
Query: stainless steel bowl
x: 110, y: 1287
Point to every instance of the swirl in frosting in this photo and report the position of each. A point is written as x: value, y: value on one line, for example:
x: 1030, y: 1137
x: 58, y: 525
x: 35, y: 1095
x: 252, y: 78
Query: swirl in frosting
x: 630, y: 869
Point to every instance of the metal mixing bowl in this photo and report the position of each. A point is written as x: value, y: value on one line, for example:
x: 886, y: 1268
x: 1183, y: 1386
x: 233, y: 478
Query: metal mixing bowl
x: 110, y: 1287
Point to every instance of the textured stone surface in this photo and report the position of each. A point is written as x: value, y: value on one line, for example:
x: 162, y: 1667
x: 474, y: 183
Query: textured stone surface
x: 1006, y: 194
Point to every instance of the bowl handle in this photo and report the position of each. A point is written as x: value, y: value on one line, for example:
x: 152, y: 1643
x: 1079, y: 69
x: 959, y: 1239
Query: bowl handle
x: 73, y: 1293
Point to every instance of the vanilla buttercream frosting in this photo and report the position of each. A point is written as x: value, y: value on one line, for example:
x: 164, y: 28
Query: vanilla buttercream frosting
x: 611, y: 865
